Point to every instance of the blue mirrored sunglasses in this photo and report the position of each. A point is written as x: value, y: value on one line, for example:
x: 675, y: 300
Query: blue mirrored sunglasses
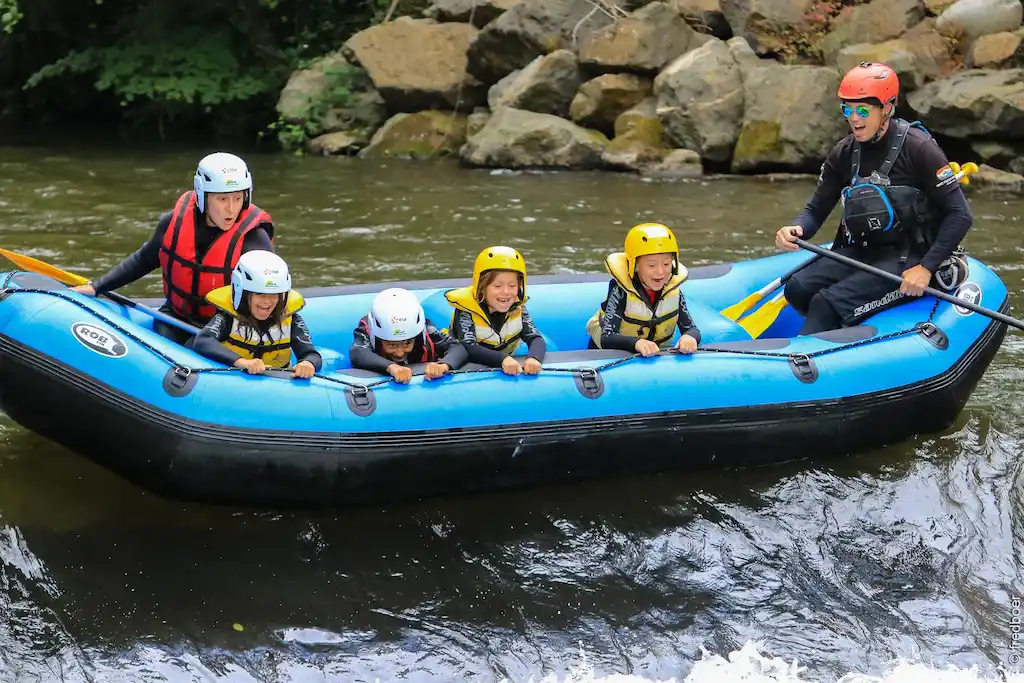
x: 863, y: 110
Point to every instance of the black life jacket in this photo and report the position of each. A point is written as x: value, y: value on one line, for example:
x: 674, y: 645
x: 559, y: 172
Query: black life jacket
x: 877, y: 213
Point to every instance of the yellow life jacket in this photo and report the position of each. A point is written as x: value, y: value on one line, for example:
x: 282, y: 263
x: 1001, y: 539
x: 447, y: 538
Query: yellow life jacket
x: 274, y: 347
x: 657, y: 324
x: 506, y: 340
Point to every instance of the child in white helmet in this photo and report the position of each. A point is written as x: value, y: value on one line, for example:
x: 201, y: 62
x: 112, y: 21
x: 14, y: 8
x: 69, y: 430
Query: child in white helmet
x: 396, y: 332
x: 257, y: 323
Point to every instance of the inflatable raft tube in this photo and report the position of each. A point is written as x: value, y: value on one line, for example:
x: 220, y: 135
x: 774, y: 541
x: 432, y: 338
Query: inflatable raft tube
x: 94, y: 377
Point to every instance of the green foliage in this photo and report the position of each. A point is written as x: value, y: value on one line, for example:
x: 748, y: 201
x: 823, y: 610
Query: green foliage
x: 10, y: 15
x: 339, y: 83
x: 206, y: 68
x: 402, y: 8
x: 191, y: 68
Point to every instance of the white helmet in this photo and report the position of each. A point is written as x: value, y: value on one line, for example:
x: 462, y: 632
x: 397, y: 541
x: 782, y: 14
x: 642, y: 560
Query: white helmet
x: 396, y: 315
x: 222, y: 172
x: 261, y: 272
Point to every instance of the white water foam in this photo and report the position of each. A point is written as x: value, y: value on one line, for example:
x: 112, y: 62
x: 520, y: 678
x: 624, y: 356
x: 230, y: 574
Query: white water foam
x: 750, y: 665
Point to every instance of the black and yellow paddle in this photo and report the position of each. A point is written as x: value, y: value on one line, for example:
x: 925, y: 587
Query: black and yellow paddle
x: 36, y: 266
x: 963, y: 303
x: 737, y: 309
x: 760, y: 320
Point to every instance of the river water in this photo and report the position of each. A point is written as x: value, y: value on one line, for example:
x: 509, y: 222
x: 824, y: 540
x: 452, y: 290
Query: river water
x: 893, y: 565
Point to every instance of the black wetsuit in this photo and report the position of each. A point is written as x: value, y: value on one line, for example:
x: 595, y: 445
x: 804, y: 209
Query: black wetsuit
x: 615, y: 305
x: 465, y: 331
x: 446, y: 350
x: 831, y: 294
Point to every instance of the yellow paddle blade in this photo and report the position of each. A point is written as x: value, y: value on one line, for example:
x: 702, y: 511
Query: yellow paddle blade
x: 761, y: 319
x: 36, y: 266
x: 742, y: 306
x: 964, y: 172
x: 968, y: 168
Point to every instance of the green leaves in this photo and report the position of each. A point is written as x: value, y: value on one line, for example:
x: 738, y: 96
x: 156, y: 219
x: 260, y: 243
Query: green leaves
x: 209, y: 67
x: 190, y: 68
x: 10, y: 15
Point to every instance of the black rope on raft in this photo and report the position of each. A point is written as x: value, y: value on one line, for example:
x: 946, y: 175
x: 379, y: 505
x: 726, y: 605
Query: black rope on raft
x: 185, y: 370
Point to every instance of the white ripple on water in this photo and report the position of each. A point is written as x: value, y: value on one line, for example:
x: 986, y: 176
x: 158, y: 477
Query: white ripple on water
x: 749, y: 664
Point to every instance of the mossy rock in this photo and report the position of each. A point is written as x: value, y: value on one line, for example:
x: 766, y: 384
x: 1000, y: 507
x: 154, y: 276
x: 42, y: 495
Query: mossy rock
x: 636, y: 143
x: 421, y: 135
x: 758, y: 141
x: 640, y: 127
x: 597, y: 136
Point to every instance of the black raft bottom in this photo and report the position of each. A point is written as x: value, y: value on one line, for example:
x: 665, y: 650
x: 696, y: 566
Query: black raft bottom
x: 204, y: 462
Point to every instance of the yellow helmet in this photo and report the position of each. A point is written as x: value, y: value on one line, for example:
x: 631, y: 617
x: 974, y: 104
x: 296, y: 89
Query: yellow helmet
x: 499, y: 258
x: 650, y: 238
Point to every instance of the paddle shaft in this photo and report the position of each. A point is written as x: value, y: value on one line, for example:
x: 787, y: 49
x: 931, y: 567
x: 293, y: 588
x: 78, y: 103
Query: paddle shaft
x: 158, y: 315
x: 995, y: 315
x: 783, y: 279
x: 34, y: 265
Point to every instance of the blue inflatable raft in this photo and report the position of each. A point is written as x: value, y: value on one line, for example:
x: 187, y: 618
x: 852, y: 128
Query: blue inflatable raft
x: 92, y: 376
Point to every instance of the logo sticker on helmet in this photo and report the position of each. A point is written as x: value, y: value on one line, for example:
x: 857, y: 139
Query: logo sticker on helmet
x: 98, y: 340
x: 970, y: 292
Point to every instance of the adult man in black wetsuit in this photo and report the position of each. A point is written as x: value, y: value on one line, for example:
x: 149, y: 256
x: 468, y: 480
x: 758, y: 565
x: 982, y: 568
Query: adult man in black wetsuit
x: 197, y: 244
x: 903, y: 209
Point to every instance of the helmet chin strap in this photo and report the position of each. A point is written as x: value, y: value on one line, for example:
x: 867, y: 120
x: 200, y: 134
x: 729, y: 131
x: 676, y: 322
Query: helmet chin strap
x: 883, y: 127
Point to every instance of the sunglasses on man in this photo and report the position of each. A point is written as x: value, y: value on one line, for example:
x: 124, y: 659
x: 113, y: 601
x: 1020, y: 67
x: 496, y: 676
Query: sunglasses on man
x: 863, y: 110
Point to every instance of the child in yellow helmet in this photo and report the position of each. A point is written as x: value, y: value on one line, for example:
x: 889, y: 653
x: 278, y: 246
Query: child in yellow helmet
x: 645, y: 302
x: 490, y: 317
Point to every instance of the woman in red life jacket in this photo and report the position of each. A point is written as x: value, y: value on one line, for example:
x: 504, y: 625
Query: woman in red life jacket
x: 197, y: 244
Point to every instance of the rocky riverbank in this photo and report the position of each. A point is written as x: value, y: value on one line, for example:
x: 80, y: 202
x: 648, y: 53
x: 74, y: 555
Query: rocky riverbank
x: 664, y: 88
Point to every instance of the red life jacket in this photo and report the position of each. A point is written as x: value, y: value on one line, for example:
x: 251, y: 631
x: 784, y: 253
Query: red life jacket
x: 187, y: 280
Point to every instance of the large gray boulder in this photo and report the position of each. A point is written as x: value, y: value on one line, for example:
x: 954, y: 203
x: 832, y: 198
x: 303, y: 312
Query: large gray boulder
x: 513, y: 138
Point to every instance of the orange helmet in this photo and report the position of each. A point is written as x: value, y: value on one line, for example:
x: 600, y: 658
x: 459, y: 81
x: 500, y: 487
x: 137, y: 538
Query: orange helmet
x: 870, y: 80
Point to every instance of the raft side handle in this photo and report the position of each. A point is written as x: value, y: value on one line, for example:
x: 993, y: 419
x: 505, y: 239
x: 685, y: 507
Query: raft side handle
x: 933, y: 335
x: 589, y: 382
x: 803, y: 367
x: 360, y: 400
x: 179, y: 381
